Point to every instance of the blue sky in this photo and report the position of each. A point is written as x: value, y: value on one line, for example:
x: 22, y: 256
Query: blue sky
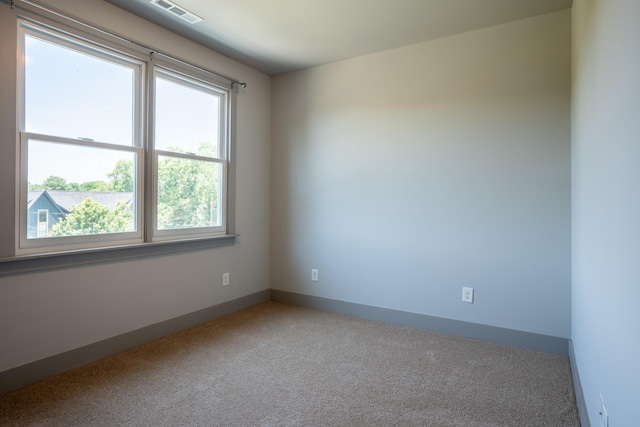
x: 74, y: 95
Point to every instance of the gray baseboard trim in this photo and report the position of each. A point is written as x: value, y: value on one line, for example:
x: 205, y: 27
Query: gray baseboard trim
x: 21, y: 376
x: 577, y: 386
x: 538, y: 342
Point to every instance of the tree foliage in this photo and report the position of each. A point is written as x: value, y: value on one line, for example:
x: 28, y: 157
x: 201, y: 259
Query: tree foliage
x: 90, y: 217
x: 58, y: 183
x: 187, y: 196
x: 99, y: 186
x: 187, y: 193
x: 122, y: 177
x: 51, y: 183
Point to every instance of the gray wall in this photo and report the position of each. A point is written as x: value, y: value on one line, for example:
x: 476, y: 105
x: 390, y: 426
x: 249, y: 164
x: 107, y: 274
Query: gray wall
x: 606, y: 205
x: 48, y: 313
x: 407, y: 174
x: 402, y: 176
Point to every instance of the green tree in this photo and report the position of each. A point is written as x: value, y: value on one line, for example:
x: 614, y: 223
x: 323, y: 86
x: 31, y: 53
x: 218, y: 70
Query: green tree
x: 101, y: 186
x: 187, y: 196
x: 55, y: 183
x: 122, y: 177
x: 187, y: 191
x: 59, y: 183
x: 74, y: 186
x: 34, y: 187
x: 91, y: 217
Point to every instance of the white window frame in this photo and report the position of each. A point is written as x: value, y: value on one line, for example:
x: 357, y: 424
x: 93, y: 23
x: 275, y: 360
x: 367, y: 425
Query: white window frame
x: 145, y: 214
x: 175, y: 73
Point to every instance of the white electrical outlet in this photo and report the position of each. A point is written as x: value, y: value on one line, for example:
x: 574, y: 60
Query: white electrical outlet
x: 467, y: 295
x: 225, y: 279
x: 314, y: 274
x: 604, y: 415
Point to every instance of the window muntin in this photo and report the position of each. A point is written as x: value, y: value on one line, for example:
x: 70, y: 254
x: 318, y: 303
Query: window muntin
x: 186, y: 112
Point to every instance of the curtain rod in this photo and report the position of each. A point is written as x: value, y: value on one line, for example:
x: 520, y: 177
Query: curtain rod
x: 152, y: 51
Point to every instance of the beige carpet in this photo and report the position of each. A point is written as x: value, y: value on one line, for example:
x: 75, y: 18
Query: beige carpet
x: 281, y: 365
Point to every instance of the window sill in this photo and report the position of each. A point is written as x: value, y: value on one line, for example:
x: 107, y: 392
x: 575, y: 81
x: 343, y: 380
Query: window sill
x: 25, y: 264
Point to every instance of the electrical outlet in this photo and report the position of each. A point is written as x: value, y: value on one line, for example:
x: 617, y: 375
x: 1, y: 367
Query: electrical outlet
x: 314, y: 274
x: 604, y: 415
x: 225, y: 279
x: 467, y: 295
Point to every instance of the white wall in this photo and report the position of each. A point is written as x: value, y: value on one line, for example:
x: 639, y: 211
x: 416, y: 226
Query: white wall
x: 606, y: 205
x: 48, y: 313
x: 407, y: 174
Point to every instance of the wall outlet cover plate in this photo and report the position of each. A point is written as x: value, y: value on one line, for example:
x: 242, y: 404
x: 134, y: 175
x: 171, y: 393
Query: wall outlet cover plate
x: 467, y: 295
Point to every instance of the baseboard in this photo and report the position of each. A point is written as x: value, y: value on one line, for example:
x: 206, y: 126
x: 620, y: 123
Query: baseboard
x: 21, y: 376
x: 546, y: 343
x: 577, y: 386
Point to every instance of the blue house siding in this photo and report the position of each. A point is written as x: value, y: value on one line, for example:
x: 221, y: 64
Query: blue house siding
x: 43, y: 202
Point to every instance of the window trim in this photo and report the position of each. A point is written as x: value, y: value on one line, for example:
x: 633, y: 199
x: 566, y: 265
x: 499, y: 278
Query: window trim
x: 49, y: 261
x: 175, y: 74
x: 82, y: 45
x: 145, y: 173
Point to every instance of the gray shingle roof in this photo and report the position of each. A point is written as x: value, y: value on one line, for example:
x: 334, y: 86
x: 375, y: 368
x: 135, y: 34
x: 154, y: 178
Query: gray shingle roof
x: 32, y: 196
x: 67, y: 199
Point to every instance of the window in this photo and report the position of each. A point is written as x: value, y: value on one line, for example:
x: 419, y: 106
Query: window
x: 43, y: 222
x: 189, y: 154
x: 116, y: 148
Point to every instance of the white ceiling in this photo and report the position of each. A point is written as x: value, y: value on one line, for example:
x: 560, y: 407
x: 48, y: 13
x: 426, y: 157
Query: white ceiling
x: 278, y: 36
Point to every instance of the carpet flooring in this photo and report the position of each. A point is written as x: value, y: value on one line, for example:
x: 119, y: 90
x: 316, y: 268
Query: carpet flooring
x: 281, y: 365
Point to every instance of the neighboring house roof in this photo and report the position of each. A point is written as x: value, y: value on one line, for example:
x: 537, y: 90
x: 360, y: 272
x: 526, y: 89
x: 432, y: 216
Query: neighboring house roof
x: 34, y: 196
x: 67, y: 199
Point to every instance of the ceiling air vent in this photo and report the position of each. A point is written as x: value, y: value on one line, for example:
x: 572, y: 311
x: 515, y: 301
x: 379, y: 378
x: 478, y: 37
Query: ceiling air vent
x: 180, y: 12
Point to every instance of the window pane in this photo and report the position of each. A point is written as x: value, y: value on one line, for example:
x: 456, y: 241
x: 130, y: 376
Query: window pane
x: 187, y: 118
x: 85, y: 190
x: 188, y: 193
x: 76, y: 95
